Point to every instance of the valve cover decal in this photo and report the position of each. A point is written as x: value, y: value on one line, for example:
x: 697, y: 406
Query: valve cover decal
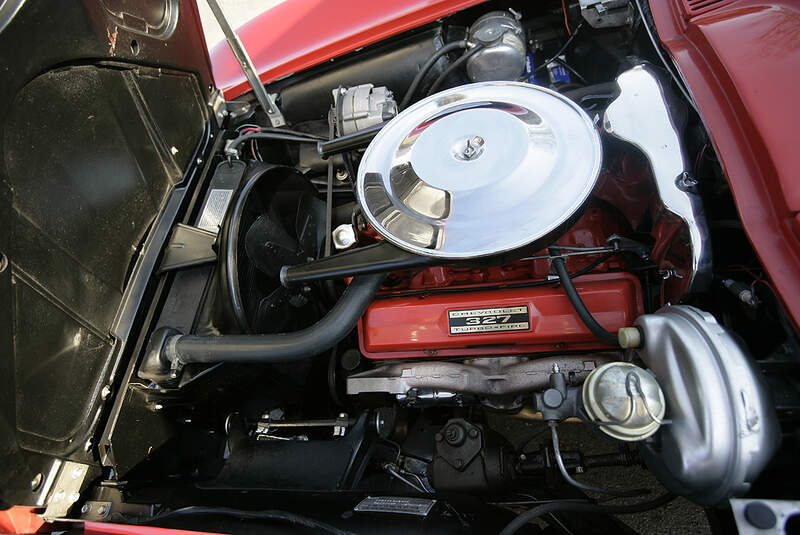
x: 489, y: 320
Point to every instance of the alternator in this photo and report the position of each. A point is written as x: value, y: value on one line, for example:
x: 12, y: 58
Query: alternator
x: 362, y: 106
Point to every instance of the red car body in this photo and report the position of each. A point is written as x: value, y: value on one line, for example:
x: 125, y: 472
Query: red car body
x: 744, y: 78
x: 732, y: 54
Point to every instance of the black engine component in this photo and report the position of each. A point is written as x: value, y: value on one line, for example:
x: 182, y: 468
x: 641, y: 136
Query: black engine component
x: 382, y: 257
x: 273, y: 219
x: 293, y: 464
x: 471, y: 458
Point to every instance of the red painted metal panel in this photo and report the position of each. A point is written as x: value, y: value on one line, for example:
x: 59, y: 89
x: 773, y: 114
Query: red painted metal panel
x: 20, y: 520
x: 299, y: 34
x: 698, y: 7
x: 404, y: 327
x: 741, y: 62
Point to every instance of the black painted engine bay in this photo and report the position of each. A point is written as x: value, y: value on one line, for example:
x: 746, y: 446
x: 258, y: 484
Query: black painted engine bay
x: 484, y: 276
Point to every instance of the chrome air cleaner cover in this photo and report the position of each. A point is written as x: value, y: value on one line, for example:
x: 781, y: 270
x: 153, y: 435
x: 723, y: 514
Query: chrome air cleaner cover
x: 479, y: 170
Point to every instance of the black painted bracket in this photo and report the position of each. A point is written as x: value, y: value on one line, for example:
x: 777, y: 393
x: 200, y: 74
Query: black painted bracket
x: 382, y: 257
x: 188, y: 246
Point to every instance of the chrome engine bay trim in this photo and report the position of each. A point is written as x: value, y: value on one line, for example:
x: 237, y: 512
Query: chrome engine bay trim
x: 641, y: 115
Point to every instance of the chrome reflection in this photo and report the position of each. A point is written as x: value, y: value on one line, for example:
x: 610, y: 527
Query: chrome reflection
x: 640, y: 115
x: 479, y: 170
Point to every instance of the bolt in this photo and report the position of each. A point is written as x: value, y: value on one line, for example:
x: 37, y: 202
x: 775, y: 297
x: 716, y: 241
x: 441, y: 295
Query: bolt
x: 686, y: 182
x: 344, y: 236
x: 438, y: 437
x: 473, y: 433
x: 105, y: 392
x: 341, y: 175
x: 748, y: 298
x: 36, y: 481
x: 473, y: 146
x: 459, y: 463
x: 102, y: 510
x: 199, y: 161
x: 579, y: 469
x: 88, y: 446
x: 454, y: 434
x: 87, y: 508
x: 523, y: 457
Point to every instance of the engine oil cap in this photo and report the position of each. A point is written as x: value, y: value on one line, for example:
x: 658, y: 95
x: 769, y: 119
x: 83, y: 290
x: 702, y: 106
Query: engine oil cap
x: 624, y: 400
x: 479, y: 170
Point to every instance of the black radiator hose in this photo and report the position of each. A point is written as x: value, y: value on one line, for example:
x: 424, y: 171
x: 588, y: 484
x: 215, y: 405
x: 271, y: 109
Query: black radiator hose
x: 168, y: 350
x: 583, y: 313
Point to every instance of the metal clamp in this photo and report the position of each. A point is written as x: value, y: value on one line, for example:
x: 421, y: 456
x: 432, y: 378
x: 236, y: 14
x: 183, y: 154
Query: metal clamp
x: 66, y: 490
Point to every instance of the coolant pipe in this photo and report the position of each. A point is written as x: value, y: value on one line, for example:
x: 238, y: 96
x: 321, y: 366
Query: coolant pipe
x: 168, y: 350
x: 583, y: 313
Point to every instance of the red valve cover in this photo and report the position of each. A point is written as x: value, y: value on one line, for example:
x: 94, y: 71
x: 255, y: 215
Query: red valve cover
x: 499, y: 321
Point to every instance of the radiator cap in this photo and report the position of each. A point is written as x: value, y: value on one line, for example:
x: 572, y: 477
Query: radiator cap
x: 479, y: 170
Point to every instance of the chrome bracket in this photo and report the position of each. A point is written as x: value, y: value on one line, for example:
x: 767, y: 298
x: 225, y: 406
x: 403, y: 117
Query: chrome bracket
x: 66, y: 490
x: 640, y: 115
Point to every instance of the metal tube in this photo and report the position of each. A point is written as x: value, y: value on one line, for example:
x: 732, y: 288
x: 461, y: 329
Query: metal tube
x: 353, y: 141
x: 247, y: 66
x: 328, y: 422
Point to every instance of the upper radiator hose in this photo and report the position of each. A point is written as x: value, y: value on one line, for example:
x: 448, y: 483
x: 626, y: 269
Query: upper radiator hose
x: 168, y: 350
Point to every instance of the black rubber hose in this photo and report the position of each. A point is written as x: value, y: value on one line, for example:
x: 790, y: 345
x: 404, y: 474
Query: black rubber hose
x: 577, y: 303
x: 284, y: 347
x: 240, y: 514
x: 412, y: 89
x: 580, y: 507
x: 453, y: 66
x: 570, y: 69
x: 290, y: 132
x: 605, y: 90
x: 234, y: 146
